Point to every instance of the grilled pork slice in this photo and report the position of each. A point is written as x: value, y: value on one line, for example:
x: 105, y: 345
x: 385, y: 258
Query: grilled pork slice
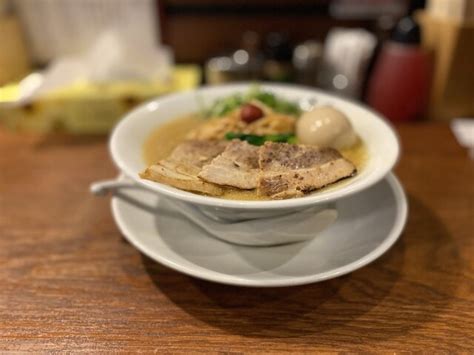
x: 237, y: 166
x: 182, y: 167
x: 289, y: 170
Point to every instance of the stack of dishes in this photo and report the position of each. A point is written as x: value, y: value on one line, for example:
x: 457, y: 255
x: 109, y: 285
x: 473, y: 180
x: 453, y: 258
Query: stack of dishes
x: 263, y: 243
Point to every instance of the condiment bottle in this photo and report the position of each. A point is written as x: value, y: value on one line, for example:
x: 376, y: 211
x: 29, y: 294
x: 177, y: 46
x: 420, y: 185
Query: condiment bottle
x: 243, y: 64
x: 306, y: 62
x: 400, y: 81
x: 278, y: 54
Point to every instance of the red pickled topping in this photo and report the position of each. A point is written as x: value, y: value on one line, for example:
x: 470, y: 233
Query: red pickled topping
x: 250, y: 113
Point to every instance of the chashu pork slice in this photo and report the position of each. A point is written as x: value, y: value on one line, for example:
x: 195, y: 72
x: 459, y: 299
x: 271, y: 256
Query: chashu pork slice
x: 237, y: 166
x: 182, y: 167
x: 290, y: 170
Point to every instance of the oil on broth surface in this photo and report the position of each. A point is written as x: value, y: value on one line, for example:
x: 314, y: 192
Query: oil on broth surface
x: 165, y: 138
x: 161, y: 142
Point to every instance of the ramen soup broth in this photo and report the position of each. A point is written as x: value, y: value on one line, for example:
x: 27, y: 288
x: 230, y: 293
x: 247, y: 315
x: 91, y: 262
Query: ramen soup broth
x: 167, y: 136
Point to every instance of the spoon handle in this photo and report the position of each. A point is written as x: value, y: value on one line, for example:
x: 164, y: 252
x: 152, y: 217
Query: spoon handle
x: 102, y: 188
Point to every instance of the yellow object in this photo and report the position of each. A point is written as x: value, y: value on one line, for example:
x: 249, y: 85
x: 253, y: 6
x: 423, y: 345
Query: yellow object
x: 14, y: 59
x: 87, y: 108
x: 461, y: 11
x: 452, y: 43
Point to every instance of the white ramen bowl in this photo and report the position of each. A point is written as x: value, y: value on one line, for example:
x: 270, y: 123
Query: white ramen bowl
x: 128, y: 137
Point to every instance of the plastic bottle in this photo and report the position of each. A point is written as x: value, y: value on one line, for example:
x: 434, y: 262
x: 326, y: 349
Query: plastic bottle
x: 401, y: 78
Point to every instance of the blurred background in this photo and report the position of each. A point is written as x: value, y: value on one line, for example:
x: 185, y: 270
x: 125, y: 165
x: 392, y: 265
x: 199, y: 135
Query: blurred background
x: 79, y: 65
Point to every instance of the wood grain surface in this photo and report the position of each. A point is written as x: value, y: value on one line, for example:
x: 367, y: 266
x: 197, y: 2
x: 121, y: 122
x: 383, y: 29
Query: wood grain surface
x: 69, y: 281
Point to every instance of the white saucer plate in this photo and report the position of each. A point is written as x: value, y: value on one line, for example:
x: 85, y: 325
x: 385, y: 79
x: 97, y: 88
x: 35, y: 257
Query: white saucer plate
x: 369, y: 223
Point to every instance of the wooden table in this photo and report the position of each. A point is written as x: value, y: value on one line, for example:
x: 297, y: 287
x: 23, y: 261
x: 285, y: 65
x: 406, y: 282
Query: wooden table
x: 69, y: 281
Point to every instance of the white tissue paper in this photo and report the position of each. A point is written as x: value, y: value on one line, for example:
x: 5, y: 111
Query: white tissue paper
x: 109, y: 59
x: 463, y: 129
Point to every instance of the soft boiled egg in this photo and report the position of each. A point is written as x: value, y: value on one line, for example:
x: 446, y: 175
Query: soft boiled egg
x: 325, y: 127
